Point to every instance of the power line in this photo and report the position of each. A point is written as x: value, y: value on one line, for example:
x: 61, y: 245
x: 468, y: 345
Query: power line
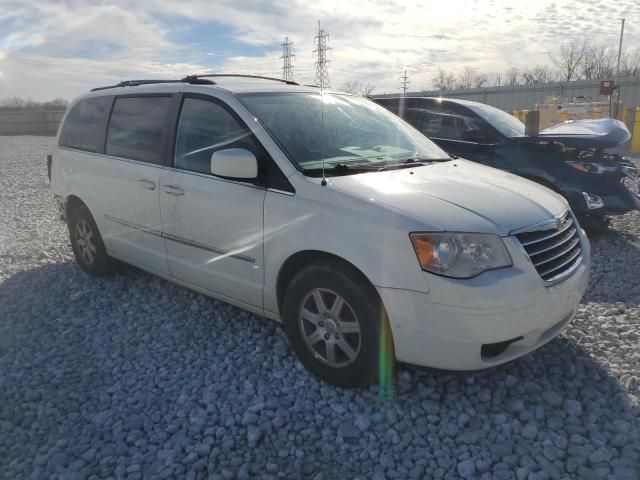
x: 287, y: 57
x: 321, y: 53
x: 405, y: 83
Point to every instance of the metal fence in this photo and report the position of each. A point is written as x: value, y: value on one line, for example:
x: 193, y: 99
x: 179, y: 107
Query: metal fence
x: 30, y: 122
x: 510, y: 98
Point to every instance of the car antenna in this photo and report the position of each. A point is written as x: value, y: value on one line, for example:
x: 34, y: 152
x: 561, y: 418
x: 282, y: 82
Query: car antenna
x: 324, y: 179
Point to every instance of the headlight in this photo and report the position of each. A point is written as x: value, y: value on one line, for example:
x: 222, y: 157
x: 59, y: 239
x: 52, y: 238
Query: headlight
x: 592, y: 167
x: 459, y: 255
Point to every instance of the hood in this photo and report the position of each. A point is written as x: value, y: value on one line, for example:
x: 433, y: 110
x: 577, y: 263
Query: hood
x: 458, y: 196
x: 602, y: 133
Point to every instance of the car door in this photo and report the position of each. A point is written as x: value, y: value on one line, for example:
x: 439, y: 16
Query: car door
x: 213, y: 226
x: 134, y: 157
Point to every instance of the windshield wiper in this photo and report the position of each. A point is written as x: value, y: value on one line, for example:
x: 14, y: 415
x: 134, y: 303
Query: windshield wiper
x: 342, y: 169
x: 413, y: 162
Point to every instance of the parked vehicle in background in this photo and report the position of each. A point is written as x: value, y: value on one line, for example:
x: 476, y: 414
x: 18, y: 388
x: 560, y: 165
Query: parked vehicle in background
x: 568, y: 158
x: 323, y: 211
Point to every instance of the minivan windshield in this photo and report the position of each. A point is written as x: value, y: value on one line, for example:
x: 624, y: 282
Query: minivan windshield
x: 502, y: 121
x: 351, y: 133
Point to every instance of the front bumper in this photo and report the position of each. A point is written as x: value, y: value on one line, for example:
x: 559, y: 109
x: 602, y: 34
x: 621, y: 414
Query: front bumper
x: 448, y: 327
x: 619, y: 197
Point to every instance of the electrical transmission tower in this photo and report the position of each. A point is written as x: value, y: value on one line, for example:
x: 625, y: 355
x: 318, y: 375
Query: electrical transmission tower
x: 405, y: 83
x: 287, y: 59
x: 322, y: 63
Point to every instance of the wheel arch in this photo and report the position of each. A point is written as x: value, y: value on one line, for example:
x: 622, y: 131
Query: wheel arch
x: 71, y: 203
x: 302, y: 259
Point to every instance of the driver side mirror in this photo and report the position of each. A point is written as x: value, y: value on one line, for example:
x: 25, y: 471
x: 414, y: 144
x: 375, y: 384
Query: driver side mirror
x: 236, y: 163
x: 474, y: 135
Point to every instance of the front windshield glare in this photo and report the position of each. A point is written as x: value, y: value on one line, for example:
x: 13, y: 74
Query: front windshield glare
x: 342, y: 129
x: 505, y: 123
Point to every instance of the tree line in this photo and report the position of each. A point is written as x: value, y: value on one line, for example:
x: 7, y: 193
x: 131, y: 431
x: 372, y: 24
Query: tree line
x: 20, y: 104
x: 577, y: 59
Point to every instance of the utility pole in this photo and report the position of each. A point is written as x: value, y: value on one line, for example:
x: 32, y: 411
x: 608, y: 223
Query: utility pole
x: 322, y: 62
x: 617, y: 85
x: 405, y: 82
x: 287, y: 59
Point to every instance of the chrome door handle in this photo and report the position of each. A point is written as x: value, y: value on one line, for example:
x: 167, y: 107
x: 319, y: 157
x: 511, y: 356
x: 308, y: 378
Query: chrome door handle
x: 173, y: 190
x: 148, y: 184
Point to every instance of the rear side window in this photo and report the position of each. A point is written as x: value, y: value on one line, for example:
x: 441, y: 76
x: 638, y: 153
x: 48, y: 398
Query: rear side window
x: 204, y: 128
x: 85, y: 124
x: 136, y: 129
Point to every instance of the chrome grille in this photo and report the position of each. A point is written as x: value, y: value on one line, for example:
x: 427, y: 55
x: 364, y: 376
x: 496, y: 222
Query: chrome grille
x: 556, y: 250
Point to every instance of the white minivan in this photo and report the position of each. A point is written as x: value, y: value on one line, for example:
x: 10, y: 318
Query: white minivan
x: 324, y: 211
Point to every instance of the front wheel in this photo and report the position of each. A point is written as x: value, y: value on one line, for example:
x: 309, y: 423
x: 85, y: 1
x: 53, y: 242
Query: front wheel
x: 337, y: 326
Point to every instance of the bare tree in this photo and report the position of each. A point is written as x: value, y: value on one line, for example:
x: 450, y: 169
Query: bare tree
x: 599, y: 62
x: 367, y: 89
x: 512, y: 76
x: 630, y: 63
x: 480, y: 80
x: 538, y: 74
x: 465, y: 79
x: 569, y: 57
x: 356, y: 88
x: 443, y: 80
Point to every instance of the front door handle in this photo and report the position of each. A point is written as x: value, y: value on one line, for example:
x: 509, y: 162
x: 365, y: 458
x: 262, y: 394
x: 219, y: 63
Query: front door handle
x: 148, y: 184
x: 173, y: 190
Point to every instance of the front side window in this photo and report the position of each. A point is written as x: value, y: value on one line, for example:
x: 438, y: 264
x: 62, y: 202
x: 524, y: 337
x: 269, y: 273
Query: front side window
x: 136, y: 128
x: 84, y: 126
x: 343, y: 130
x: 204, y: 128
x: 441, y: 124
x: 505, y: 123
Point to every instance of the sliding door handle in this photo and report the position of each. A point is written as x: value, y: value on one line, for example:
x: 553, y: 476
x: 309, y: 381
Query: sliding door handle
x: 148, y: 184
x: 173, y: 190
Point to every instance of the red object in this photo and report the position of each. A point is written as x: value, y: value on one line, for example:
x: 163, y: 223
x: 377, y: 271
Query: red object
x: 607, y: 87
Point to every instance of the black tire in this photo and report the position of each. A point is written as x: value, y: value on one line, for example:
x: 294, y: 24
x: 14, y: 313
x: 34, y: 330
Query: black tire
x: 92, y: 255
x: 362, y: 303
x: 594, y: 225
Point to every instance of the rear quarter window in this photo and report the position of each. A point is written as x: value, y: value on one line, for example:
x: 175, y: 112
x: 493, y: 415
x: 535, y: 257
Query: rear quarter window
x: 137, y: 128
x: 85, y: 124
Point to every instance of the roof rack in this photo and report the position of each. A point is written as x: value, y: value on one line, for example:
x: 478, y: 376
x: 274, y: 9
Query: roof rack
x: 192, y: 79
x: 238, y: 75
x: 135, y: 83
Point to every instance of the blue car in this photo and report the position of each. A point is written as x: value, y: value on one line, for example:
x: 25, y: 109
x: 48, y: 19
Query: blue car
x: 569, y: 158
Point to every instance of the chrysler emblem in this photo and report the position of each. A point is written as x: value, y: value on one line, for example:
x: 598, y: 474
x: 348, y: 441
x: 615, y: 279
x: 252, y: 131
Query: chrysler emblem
x: 558, y: 222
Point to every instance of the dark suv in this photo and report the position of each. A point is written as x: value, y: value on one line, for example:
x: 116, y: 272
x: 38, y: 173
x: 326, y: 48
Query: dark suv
x: 568, y: 158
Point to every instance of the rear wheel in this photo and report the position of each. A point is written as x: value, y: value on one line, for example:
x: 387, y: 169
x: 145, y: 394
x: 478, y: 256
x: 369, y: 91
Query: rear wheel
x: 336, y: 325
x: 87, y: 243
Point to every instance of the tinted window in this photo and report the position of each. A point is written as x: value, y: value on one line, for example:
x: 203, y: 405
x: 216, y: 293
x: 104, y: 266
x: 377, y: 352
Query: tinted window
x: 136, y: 129
x: 441, y: 124
x: 85, y: 124
x: 504, y: 122
x: 204, y: 128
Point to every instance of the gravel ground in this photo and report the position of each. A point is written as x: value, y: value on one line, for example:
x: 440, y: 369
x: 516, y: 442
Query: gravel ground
x: 134, y: 377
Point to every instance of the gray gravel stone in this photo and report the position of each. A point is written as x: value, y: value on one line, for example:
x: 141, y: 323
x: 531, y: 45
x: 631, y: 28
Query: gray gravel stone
x: 129, y: 376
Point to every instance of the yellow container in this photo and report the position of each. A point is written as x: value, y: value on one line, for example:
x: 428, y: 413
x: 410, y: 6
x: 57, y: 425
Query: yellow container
x: 564, y: 115
x: 625, y: 115
x: 516, y: 114
x: 523, y: 116
x: 635, y: 139
x: 597, y: 113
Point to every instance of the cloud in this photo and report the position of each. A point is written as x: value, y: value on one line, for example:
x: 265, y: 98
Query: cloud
x: 50, y: 49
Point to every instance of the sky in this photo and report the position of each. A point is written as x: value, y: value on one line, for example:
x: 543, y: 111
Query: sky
x: 63, y: 48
